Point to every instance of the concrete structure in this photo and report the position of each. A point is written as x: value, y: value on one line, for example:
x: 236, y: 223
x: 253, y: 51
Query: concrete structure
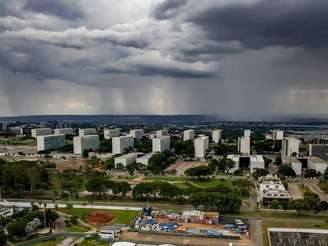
x: 201, y: 146
x: 110, y: 232
x: 122, y: 144
x: 296, y: 165
x: 82, y: 143
x: 216, y: 135
x: 3, y: 125
x: 87, y: 131
x: 50, y: 142
x: 162, y: 133
x: 65, y: 131
x: 268, y: 136
x: 271, y: 188
x: 252, y: 162
x: 16, y: 130
x: 277, y: 135
x: 137, y: 133
x: 111, y: 133
x: 244, y: 145
x: 317, y: 164
x: 320, y: 150
x: 247, y: 133
x: 144, y: 159
x: 161, y: 143
x: 125, y: 160
x: 290, y: 146
x: 188, y: 135
x: 40, y: 132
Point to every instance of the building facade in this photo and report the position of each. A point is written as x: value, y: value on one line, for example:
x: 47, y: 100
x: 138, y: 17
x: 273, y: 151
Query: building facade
x: 217, y: 135
x: 82, y: 143
x: 111, y: 133
x: 65, y: 131
x: 161, y: 144
x: 289, y: 149
x: 188, y: 135
x: 201, y: 146
x: 162, y: 133
x: 40, y: 132
x: 244, y: 145
x: 137, y: 133
x: 50, y: 142
x: 87, y: 131
x: 125, y: 160
x: 122, y: 144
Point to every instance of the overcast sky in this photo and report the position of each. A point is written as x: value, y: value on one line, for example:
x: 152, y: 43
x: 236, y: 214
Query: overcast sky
x: 241, y: 59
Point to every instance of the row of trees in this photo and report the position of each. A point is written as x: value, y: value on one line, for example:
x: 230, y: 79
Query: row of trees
x: 99, y: 185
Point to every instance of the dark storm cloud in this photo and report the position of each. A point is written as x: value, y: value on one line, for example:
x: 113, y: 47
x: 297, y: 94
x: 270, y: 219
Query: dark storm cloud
x: 61, y: 8
x: 168, y: 9
x: 268, y: 23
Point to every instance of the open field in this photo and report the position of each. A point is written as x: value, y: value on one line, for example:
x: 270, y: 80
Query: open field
x: 120, y: 216
x: 181, y: 167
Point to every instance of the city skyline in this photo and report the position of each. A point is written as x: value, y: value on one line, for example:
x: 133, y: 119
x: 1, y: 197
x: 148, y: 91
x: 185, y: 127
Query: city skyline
x: 240, y: 59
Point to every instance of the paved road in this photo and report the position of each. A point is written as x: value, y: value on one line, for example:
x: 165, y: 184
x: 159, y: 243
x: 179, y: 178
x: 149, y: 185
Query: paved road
x: 256, y: 231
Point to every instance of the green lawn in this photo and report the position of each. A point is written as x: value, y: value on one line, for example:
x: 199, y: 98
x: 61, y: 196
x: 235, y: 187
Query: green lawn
x: 92, y: 242
x: 52, y: 242
x: 211, y: 183
x: 165, y: 178
x: 120, y: 216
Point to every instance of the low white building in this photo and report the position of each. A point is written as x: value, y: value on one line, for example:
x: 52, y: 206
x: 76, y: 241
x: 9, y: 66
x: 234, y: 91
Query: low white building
x: 271, y: 188
x: 122, y: 144
x: 317, y: 164
x: 126, y: 159
x: 296, y: 165
x: 111, y: 133
x: 40, y: 132
x: 144, y: 159
x: 87, y: 131
x: 50, y: 142
x: 16, y: 130
x: 65, y: 131
x: 235, y: 158
x: 188, y: 135
x: 254, y: 161
x: 216, y: 135
x: 82, y: 143
x: 110, y: 232
x: 137, y: 133
x: 201, y: 146
x: 247, y: 133
x: 244, y: 144
x: 277, y: 135
x: 161, y: 144
x: 162, y: 133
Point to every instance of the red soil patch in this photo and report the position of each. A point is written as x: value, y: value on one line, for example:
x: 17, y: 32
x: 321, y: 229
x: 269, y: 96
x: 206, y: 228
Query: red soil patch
x: 99, y: 218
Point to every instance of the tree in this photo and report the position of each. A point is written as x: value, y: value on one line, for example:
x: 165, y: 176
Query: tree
x: 3, y: 238
x: 120, y: 187
x: 275, y: 204
x: 224, y: 149
x: 311, y: 173
x: 97, y: 185
x: 200, y: 171
x: 16, y: 228
x: 260, y: 172
x: 286, y: 171
x: 278, y: 161
x: 160, y: 161
x: 226, y: 164
x: 325, y: 175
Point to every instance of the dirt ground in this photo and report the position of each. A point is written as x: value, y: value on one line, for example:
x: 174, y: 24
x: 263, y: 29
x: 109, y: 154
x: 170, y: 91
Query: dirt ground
x: 181, y: 167
x: 295, y: 191
x: 178, y: 240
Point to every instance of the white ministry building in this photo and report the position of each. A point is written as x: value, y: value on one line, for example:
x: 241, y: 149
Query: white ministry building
x: 87, y: 131
x: 201, y: 146
x: 126, y: 160
x: 137, y: 133
x: 290, y: 145
x: 111, y: 133
x: 82, y: 143
x: 65, y: 131
x: 247, y: 133
x: 188, y: 135
x: 161, y: 144
x: 50, y: 142
x: 216, y: 135
x: 162, y: 133
x: 40, y: 132
x: 244, y: 145
x: 277, y: 135
x: 122, y: 144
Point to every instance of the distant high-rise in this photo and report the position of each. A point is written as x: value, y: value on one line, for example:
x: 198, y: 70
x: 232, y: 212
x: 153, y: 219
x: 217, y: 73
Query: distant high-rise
x: 162, y: 133
x: 290, y: 148
x: 247, y: 133
x: 50, y: 142
x: 277, y: 135
x: 161, y: 143
x: 244, y: 145
x: 87, y: 131
x: 65, y: 131
x: 201, y: 146
x: 216, y: 135
x: 82, y: 143
x: 111, y: 133
x: 40, y: 132
x: 188, y: 135
x: 137, y: 133
x: 122, y: 144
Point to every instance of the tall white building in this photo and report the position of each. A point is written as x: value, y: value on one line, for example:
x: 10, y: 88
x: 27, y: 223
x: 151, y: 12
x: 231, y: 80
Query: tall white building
x: 290, y: 146
x: 247, y: 133
x: 162, y: 133
x: 161, y: 143
x: 40, y: 132
x: 50, y: 142
x: 122, y: 144
x: 137, y: 133
x: 111, y: 133
x: 216, y: 135
x: 244, y: 144
x: 87, y: 131
x: 82, y: 143
x: 188, y: 135
x: 277, y: 135
x: 65, y: 131
x: 201, y: 146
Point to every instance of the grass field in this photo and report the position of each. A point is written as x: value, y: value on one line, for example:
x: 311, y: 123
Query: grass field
x: 92, y: 242
x: 120, y: 216
x: 53, y: 242
x: 165, y: 178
